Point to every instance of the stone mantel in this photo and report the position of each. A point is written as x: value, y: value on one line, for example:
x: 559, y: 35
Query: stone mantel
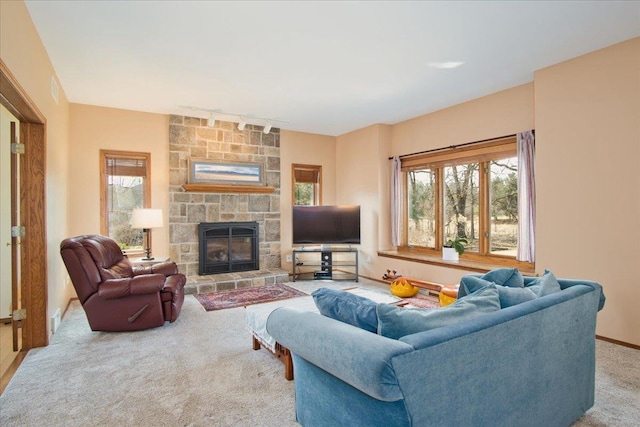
x: 226, y: 188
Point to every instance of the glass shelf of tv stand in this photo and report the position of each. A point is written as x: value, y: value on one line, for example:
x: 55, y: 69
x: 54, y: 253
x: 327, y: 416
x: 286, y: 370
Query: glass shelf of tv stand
x: 326, y: 267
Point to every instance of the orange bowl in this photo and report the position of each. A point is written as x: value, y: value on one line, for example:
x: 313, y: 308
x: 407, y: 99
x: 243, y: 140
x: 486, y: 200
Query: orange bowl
x: 402, y: 288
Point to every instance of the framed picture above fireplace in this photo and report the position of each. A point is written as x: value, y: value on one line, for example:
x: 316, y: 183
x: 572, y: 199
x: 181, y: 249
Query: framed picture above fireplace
x: 209, y: 171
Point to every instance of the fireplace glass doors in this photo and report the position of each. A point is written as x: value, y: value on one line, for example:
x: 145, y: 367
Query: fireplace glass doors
x: 227, y: 247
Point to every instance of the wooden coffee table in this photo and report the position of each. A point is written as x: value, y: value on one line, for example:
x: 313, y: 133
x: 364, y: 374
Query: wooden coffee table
x: 256, y: 318
x: 281, y: 353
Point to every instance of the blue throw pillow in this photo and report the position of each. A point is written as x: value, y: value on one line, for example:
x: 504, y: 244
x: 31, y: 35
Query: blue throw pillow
x: 509, y: 277
x: 396, y: 322
x: 514, y: 296
x: 347, y: 307
x: 546, y: 284
x: 472, y: 284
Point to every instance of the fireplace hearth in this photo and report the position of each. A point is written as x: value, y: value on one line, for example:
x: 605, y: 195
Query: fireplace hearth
x: 227, y: 247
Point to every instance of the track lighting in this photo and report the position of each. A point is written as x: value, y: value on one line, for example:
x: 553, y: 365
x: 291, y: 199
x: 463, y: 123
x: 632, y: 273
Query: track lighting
x: 242, y: 119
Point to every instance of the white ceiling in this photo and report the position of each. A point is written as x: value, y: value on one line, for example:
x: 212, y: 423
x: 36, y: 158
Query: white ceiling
x: 324, y: 67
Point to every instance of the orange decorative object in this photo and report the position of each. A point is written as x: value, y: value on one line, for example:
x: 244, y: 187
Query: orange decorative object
x: 448, y: 294
x: 403, y: 288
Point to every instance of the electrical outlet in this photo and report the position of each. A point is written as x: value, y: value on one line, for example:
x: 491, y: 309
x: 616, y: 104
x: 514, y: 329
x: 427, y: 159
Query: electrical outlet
x: 289, y: 259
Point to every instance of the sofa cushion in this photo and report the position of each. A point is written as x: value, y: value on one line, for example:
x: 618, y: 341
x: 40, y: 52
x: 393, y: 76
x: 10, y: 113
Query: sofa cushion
x: 509, y: 277
x: 396, y: 322
x: 508, y: 296
x: 347, y: 307
x: 472, y: 284
x: 546, y: 284
x: 514, y: 296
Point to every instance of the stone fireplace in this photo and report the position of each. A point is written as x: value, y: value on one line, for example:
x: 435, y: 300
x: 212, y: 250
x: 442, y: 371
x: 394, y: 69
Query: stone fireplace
x: 189, y: 137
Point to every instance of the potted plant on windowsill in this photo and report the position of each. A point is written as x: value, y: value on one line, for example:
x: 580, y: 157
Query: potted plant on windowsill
x: 453, y: 248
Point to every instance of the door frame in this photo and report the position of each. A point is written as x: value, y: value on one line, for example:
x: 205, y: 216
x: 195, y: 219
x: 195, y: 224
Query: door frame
x: 33, y: 259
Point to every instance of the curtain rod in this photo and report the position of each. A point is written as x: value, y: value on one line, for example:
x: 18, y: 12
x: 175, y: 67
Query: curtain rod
x: 451, y: 147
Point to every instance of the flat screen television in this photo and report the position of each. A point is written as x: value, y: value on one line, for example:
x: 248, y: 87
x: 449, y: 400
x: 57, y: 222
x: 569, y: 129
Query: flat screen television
x: 326, y: 224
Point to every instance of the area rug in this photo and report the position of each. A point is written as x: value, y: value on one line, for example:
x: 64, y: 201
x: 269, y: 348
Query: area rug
x: 421, y: 302
x: 247, y: 296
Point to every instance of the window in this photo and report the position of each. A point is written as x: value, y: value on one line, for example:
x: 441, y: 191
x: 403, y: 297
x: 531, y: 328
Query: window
x: 307, y: 185
x: 125, y: 185
x: 469, y: 192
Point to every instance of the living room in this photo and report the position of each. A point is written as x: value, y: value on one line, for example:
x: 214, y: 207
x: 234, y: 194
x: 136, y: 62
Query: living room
x: 584, y: 111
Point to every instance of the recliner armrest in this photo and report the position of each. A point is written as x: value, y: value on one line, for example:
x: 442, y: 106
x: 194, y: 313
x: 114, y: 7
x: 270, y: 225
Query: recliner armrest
x: 139, y: 285
x: 174, y: 283
x: 167, y: 268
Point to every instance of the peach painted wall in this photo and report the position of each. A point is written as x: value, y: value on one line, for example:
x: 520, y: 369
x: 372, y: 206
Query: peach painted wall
x: 24, y: 54
x: 498, y: 114
x: 360, y: 179
x: 307, y: 149
x: 98, y: 128
x: 588, y: 179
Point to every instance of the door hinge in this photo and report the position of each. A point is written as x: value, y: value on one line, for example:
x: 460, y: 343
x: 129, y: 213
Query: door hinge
x: 19, y: 314
x: 18, y: 231
x: 17, y: 148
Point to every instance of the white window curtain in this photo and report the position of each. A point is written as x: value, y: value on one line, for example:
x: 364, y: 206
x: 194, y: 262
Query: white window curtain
x: 526, y: 197
x: 396, y: 200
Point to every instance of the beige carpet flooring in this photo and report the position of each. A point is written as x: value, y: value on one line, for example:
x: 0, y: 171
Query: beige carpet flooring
x: 201, y: 371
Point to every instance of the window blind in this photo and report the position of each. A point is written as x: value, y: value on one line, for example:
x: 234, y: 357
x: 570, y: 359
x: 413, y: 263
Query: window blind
x: 306, y: 176
x: 126, y: 166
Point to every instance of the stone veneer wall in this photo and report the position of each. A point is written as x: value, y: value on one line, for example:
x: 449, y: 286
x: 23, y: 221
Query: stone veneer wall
x: 190, y: 137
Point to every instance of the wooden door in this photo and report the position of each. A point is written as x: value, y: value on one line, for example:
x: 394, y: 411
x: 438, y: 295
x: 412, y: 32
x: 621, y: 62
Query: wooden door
x: 31, y: 199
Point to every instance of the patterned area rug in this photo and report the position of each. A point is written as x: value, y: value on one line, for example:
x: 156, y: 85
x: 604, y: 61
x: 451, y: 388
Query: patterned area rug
x: 247, y: 296
x: 421, y: 302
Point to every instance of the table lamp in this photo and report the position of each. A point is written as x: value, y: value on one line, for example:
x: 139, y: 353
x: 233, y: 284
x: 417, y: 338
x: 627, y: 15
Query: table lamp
x: 147, y: 219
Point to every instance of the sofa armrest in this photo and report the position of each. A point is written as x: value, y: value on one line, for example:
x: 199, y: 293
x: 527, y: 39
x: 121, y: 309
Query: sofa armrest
x: 567, y: 283
x: 138, y: 285
x: 359, y: 358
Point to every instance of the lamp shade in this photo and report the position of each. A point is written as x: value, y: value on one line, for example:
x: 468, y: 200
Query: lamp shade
x: 146, y: 218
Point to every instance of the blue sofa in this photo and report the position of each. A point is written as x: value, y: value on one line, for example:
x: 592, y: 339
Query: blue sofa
x: 531, y: 364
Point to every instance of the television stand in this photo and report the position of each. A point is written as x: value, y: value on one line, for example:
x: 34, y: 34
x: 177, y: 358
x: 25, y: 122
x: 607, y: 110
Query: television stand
x: 335, y: 263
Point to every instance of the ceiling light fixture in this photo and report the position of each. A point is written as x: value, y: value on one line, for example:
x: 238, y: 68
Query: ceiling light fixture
x: 211, y: 121
x: 242, y: 119
x: 445, y: 65
x: 267, y: 128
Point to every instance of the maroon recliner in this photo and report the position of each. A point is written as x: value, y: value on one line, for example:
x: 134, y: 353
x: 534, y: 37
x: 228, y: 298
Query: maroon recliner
x: 116, y: 296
